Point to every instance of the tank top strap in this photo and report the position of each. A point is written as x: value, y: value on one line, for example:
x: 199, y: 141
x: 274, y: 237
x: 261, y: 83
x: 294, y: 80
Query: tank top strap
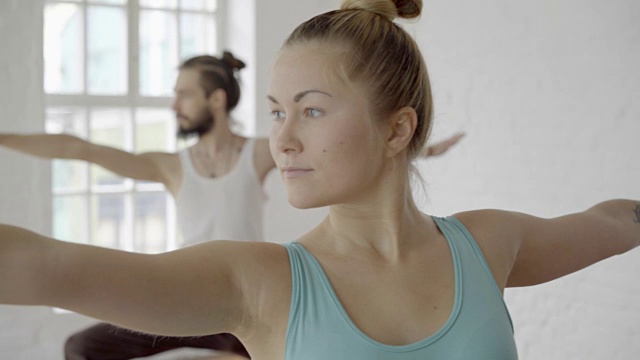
x: 472, y: 256
x: 305, y: 278
x: 457, y: 232
x: 297, y: 270
x: 311, y: 300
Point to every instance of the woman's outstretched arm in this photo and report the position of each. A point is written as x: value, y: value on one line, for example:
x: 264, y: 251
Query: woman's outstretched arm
x: 193, y: 291
x: 525, y: 250
x: 552, y: 248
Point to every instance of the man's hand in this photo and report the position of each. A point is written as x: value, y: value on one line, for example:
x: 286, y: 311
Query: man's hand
x: 442, y: 147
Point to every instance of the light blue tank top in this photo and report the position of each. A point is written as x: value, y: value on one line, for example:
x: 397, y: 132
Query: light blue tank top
x: 479, y: 327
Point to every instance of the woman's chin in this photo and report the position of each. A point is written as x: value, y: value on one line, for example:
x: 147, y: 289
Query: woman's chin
x: 305, y: 202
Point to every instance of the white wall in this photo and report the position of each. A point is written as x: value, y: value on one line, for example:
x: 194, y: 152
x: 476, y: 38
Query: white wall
x: 240, y: 39
x: 547, y: 91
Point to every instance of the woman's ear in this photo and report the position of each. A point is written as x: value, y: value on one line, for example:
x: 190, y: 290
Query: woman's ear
x: 402, y: 126
x: 217, y: 99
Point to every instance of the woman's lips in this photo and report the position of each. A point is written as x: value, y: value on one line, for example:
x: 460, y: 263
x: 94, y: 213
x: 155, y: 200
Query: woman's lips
x: 294, y: 172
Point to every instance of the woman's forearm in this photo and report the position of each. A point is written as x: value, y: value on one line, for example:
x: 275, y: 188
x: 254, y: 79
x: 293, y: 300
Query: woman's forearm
x: 626, y: 215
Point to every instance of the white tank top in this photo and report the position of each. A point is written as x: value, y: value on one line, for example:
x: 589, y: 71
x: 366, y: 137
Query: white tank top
x: 225, y: 208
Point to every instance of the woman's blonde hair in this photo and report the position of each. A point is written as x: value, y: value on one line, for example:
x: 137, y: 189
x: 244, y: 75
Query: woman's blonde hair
x: 378, y: 54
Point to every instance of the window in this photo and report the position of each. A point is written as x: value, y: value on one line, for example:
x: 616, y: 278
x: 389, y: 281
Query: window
x: 110, y: 67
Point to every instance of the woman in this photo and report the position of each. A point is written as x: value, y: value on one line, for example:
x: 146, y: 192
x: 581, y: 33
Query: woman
x: 377, y: 279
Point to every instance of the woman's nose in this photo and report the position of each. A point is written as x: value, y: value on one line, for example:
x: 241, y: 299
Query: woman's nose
x: 287, y: 136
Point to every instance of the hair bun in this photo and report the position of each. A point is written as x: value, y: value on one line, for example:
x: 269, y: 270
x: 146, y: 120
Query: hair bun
x: 230, y: 60
x: 406, y: 9
x: 409, y: 9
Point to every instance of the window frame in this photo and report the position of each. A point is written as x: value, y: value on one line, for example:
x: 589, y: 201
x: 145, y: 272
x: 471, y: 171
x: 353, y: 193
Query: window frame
x: 132, y: 101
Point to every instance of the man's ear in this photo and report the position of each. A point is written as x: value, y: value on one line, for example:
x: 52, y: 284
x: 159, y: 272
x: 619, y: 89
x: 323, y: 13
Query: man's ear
x: 402, y: 125
x: 217, y: 99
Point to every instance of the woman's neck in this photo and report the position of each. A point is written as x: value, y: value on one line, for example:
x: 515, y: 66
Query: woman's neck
x: 387, y: 227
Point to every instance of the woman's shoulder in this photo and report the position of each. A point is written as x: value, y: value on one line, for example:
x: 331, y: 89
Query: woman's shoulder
x: 246, y: 260
x: 237, y: 250
x: 492, y: 227
x: 492, y: 221
x: 263, y: 276
x: 496, y: 233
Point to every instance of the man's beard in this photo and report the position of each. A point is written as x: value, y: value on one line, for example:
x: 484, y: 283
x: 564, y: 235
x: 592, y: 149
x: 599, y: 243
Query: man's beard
x: 195, y: 129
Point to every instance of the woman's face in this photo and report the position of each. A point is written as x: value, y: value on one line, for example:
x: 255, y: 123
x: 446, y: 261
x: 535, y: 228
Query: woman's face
x: 323, y: 139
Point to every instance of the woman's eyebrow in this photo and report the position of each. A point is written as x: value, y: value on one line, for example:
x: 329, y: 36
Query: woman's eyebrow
x: 300, y: 95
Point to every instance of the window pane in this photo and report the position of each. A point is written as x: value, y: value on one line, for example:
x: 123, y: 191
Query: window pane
x: 107, y: 53
x: 108, y: 227
x: 68, y: 120
x: 68, y: 175
x: 154, y: 130
x: 69, y: 218
x: 114, y: 2
x: 185, y: 143
x: 109, y: 127
x: 158, y: 52
x: 159, y: 4
x: 208, y: 5
x: 63, y: 49
x: 198, y: 35
x: 150, y: 222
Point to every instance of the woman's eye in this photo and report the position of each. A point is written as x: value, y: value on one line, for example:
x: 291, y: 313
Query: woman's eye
x: 313, y: 113
x: 277, y: 114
